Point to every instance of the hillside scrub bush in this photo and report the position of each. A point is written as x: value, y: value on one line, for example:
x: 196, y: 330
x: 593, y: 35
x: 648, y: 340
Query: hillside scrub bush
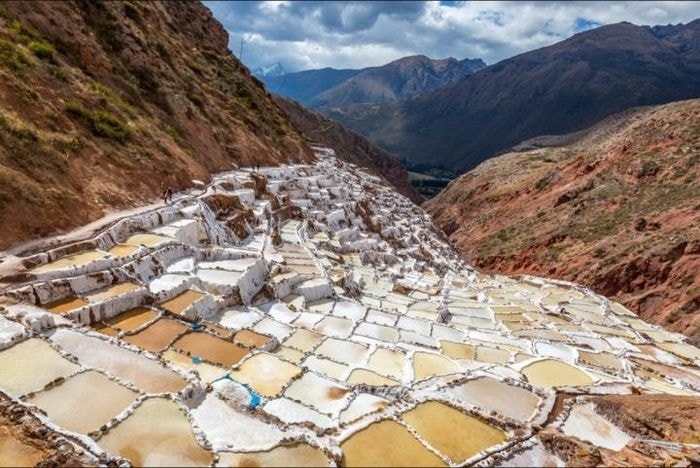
x: 43, y: 50
x: 11, y: 57
x: 100, y: 122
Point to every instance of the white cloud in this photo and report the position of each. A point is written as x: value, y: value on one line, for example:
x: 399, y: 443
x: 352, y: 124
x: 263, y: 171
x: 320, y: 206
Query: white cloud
x: 303, y: 35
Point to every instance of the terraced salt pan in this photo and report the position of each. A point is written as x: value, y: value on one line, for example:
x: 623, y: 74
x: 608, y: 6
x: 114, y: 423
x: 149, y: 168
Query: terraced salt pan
x: 386, y: 443
x: 335, y: 326
x: 342, y: 351
x: 229, y: 429
x: 492, y: 355
x: 221, y: 277
x: 122, y: 250
x: 430, y: 364
x: 552, y: 373
x: 457, y: 350
x: 452, y: 432
x: 131, y: 319
x: 266, y: 374
x: 494, y: 395
x: 144, y: 373
x: 207, y: 372
x: 681, y: 349
x: 156, y: 434
x: 363, y: 405
x: 110, y: 292
x: 282, y: 456
x: 271, y: 327
x: 367, y: 377
x: 211, y: 348
x: 388, y: 362
x: 320, y: 393
x: 583, y: 422
x: 65, y: 305
x: 71, y: 261
x: 30, y: 365
x: 289, y: 354
x: 604, y: 360
x: 250, y: 339
x: 101, y: 399
x: 292, y: 412
x: 157, y: 336
x: 146, y: 240
x: 326, y: 367
x: 167, y: 282
x: 304, y: 340
x: 182, y: 301
x: 378, y: 332
x: 236, y: 318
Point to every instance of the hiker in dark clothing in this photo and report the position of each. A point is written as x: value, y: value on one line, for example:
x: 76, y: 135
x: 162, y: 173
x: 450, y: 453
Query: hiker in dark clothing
x: 168, y: 195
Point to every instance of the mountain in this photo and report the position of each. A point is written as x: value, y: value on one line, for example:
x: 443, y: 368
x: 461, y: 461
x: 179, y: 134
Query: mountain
x: 615, y: 207
x: 349, y: 146
x: 102, y: 102
x: 401, y: 79
x: 553, y: 90
x: 304, y: 85
x: 275, y: 69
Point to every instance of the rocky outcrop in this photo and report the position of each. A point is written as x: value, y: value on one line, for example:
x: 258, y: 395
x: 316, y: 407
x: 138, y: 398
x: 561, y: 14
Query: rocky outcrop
x: 616, y: 207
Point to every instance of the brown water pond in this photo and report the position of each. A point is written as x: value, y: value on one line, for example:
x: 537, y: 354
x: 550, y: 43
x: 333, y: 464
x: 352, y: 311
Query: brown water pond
x: 386, y: 443
x: 452, y: 432
x: 65, y: 305
x: 157, y: 336
x: 211, y: 348
x: 131, y: 319
x: 182, y: 301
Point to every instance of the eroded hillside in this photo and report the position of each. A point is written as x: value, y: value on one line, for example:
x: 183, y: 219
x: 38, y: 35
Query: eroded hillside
x: 617, y: 209
x: 101, y: 102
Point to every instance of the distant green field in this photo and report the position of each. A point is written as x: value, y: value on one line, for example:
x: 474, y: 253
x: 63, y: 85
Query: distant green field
x: 426, y: 184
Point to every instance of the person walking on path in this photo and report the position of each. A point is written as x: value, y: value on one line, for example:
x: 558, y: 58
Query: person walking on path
x: 168, y: 195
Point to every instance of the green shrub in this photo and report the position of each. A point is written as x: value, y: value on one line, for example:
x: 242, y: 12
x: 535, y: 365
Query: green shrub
x: 113, y: 98
x: 100, y: 122
x: 108, y: 126
x: 43, y: 50
x: 11, y: 57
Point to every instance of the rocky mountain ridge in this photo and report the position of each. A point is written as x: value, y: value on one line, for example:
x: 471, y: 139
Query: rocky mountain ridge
x: 401, y: 79
x: 558, y: 89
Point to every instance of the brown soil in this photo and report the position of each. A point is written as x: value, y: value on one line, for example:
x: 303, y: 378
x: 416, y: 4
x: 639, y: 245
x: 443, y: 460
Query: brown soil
x: 617, y: 209
x: 660, y: 417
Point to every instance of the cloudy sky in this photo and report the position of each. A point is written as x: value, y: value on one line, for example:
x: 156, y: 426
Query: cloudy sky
x: 302, y: 35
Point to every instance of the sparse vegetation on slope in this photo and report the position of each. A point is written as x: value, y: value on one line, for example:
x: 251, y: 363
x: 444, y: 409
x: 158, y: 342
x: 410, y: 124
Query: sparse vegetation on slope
x: 101, y: 102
